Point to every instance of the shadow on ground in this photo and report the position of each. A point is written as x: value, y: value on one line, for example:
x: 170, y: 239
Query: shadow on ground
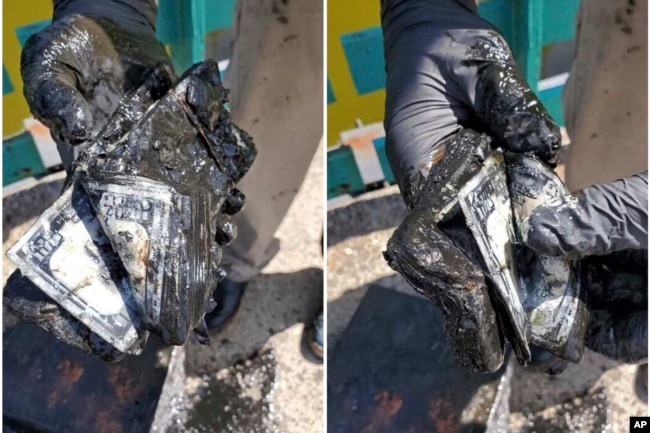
x: 28, y: 204
x: 576, y: 395
x: 271, y: 304
x: 363, y: 217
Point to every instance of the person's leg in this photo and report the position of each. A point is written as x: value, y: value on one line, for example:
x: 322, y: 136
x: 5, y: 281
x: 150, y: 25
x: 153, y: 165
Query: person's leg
x: 276, y: 83
x: 605, y: 100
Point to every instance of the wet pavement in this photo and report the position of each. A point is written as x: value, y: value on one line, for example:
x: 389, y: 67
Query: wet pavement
x: 255, y: 363
x: 358, y: 230
x: 380, y: 375
x: 49, y: 386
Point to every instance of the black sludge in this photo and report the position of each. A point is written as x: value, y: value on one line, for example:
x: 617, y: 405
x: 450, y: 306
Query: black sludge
x: 134, y: 242
x: 449, y: 271
x: 159, y: 197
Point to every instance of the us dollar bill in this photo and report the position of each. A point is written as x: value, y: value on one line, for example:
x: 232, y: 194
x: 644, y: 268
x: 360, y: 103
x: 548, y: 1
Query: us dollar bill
x: 67, y: 255
x: 485, y: 202
x: 556, y: 310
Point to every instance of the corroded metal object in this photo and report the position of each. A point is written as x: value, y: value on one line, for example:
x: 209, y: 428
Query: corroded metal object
x: 134, y: 243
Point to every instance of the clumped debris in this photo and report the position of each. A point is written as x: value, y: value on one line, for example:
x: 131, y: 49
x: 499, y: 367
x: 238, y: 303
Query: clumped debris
x: 434, y: 250
x: 461, y: 247
x: 134, y: 242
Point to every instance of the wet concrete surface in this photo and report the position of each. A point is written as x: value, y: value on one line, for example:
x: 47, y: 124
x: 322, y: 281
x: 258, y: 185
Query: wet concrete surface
x: 236, y: 399
x: 358, y: 230
x: 275, y: 309
x: 48, y: 386
x: 393, y: 371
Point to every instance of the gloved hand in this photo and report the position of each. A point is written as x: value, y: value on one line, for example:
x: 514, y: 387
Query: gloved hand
x: 451, y: 76
x: 607, y: 227
x: 597, y: 220
x: 617, y: 299
x: 447, y: 69
x: 207, y: 156
x: 76, y: 70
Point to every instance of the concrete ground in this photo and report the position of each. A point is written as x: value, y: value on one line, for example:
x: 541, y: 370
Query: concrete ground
x: 358, y: 230
x: 277, y: 305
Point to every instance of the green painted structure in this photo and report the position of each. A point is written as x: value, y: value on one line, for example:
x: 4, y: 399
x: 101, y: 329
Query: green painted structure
x: 531, y: 27
x: 182, y: 25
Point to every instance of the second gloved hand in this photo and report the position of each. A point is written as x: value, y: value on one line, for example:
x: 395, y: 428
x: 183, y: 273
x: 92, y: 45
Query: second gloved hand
x: 606, y: 226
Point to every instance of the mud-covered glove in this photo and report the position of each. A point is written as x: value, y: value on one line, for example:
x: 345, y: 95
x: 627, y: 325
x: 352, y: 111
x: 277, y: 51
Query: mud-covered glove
x: 607, y: 227
x: 76, y: 70
x: 451, y: 82
x: 447, y: 68
x: 617, y: 298
x: 165, y: 171
x: 597, y: 220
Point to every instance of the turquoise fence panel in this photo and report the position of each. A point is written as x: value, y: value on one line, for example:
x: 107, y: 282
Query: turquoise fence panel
x: 559, y: 27
x: 219, y: 14
x: 364, y: 51
x: 380, y: 147
x: 343, y: 176
x: 181, y: 24
x: 25, y: 32
x: 20, y: 159
x: 167, y: 29
x: 552, y: 100
x: 7, y: 85
x: 501, y: 13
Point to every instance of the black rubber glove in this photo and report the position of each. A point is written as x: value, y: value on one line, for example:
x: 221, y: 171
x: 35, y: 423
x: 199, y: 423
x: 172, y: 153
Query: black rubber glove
x: 617, y: 298
x: 447, y: 68
x: 606, y: 226
x: 451, y: 77
x: 76, y: 70
x: 597, y: 220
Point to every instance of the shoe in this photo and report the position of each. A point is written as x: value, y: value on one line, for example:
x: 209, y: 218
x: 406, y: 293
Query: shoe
x: 227, y: 295
x: 315, y: 337
x: 641, y: 382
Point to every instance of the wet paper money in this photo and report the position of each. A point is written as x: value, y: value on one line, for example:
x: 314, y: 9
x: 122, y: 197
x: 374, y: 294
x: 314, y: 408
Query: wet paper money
x: 437, y: 254
x: 462, y: 241
x: 485, y: 202
x: 554, y: 304
x: 67, y: 255
x: 143, y: 207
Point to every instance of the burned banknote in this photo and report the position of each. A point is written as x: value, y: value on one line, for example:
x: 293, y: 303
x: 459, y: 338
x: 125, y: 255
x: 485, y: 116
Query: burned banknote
x: 461, y: 247
x: 134, y: 242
